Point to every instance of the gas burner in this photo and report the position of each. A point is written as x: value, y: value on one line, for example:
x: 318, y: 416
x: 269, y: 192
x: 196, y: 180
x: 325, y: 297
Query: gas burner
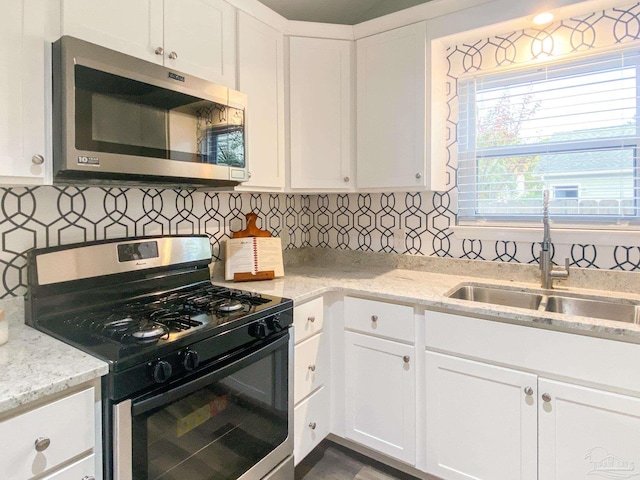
x: 229, y: 305
x: 149, y: 333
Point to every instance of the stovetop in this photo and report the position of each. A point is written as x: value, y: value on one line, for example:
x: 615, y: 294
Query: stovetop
x: 136, y: 331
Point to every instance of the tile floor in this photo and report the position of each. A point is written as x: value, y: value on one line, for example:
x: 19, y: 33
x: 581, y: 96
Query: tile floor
x: 330, y: 461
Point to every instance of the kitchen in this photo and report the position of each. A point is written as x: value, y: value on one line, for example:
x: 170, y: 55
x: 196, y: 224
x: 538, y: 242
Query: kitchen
x: 311, y: 188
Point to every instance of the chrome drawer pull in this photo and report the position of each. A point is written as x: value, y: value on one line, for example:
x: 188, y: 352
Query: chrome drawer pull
x: 42, y: 443
x: 311, y: 319
x: 312, y: 368
x: 374, y: 318
x: 312, y: 425
x: 528, y: 391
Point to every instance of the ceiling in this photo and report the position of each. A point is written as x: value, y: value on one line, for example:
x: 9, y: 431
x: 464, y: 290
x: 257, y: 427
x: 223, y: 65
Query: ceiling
x: 347, y: 12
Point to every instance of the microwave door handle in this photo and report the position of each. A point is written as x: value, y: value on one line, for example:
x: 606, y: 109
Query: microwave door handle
x: 172, y: 395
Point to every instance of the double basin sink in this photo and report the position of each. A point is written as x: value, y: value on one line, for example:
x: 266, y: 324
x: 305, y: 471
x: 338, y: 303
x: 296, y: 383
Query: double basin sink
x: 618, y: 309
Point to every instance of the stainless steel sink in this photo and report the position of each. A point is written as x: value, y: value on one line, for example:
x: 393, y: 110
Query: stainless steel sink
x: 498, y: 296
x: 621, y: 310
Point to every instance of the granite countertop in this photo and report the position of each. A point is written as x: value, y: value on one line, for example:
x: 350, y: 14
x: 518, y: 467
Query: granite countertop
x: 34, y: 365
x: 390, y: 282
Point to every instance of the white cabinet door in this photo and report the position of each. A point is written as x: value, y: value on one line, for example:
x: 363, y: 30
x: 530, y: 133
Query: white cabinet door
x: 192, y: 36
x: 586, y: 433
x: 481, y: 423
x: 201, y: 36
x: 380, y: 395
x: 261, y: 77
x: 134, y: 28
x: 320, y: 113
x: 25, y: 26
x: 391, y: 108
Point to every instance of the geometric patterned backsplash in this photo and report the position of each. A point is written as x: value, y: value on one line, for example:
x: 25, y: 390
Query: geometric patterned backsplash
x: 409, y: 223
x: 420, y: 222
x: 50, y: 216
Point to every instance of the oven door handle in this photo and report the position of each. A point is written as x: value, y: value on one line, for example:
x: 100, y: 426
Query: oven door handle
x: 166, y: 397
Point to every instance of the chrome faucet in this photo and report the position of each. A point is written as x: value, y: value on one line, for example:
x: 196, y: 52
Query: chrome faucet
x: 548, y: 271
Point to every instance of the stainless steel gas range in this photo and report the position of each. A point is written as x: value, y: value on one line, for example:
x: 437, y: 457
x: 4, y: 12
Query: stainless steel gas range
x: 199, y: 375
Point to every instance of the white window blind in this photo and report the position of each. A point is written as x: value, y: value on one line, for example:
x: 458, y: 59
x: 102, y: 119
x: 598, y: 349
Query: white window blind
x: 571, y: 128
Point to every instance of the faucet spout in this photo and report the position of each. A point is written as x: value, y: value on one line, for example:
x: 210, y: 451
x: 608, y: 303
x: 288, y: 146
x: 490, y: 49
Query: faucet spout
x: 547, y: 269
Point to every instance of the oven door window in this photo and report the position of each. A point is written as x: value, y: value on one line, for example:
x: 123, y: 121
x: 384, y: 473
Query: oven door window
x: 119, y: 115
x: 218, y: 431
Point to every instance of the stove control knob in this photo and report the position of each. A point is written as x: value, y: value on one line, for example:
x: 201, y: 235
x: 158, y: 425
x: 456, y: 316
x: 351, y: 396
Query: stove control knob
x: 190, y: 360
x: 161, y: 371
x: 258, y: 330
x: 274, y: 323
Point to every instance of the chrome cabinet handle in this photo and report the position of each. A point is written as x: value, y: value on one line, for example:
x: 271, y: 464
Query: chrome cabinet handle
x: 42, y: 443
x: 312, y: 368
x: 311, y: 319
x: 546, y: 397
x: 528, y: 391
x: 346, y: 179
x: 173, y: 55
x: 418, y: 175
x: 312, y: 425
x: 37, y: 159
x: 406, y: 359
x: 87, y: 477
x: 248, y: 174
x: 374, y: 318
x: 159, y: 51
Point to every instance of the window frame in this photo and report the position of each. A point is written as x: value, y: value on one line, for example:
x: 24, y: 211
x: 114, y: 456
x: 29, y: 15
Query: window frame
x: 468, y: 155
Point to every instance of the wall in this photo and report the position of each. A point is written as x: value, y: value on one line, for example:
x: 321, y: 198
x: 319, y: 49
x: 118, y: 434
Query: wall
x: 50, y: 216
x: 368, y: 221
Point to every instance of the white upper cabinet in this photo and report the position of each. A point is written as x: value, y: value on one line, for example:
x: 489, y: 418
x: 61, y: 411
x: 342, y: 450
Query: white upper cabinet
x: 199, y: 38
x: 392, y: 109
x: 25, y: 31
x: 321, y: 117
x: 192, y: 36
x: 261, y: 77
x: 134, y: 28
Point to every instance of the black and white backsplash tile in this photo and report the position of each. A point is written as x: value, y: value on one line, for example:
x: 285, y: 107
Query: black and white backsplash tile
x: 49, y: 216
x: 419, y: 224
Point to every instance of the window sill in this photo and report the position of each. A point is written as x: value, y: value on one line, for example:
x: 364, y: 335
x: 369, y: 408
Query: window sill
x: 559, y: 235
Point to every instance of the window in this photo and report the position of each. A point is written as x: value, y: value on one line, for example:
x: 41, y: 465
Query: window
x: 571, y: 128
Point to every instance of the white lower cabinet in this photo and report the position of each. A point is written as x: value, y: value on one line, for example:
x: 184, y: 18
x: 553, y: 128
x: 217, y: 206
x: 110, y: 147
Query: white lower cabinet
x: 380, y: 395
x: 311, y: 423
x: 486, y: 422
x: 586, y: 433
x: 312, y: 416
x: 481, y: 420
x: 45, y: 438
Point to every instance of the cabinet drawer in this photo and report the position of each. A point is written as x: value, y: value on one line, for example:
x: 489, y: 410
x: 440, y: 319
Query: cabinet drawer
x: 68, y: 424
x: 311, y: 423
x: 379, y: 318
x: 308, y: 319
x: 311, y: 366
x: 76, y: 471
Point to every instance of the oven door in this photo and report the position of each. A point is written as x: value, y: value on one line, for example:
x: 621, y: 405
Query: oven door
x: 231, y: 422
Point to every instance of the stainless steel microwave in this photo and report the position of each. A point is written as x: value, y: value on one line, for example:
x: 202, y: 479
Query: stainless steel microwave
x: 121, y: 120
